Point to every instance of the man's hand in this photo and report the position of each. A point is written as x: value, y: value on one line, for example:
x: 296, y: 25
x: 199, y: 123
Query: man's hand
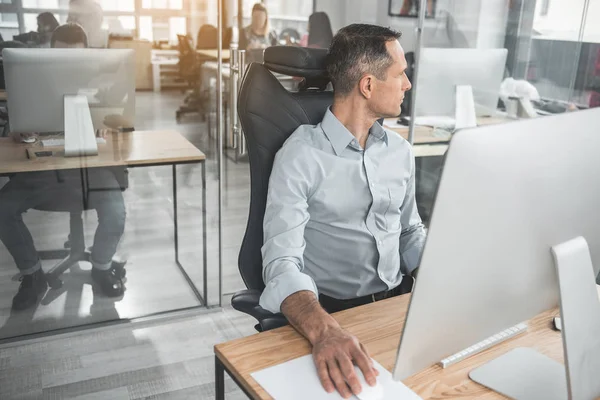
x: 335, y: 354
x: 334, y: 350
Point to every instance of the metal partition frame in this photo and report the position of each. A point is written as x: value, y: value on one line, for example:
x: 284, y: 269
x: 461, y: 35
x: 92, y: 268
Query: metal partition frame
x: 413, y: 103
x: 220, y: 141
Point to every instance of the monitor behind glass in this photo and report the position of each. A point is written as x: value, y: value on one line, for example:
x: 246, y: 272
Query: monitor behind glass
x: 508, y: 193
x: 440, y: 70
x: 38, y: 79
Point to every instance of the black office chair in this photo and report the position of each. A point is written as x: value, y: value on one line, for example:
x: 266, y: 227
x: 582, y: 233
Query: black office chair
x: 189, y: 71
x: 320, y: 33
x: 74, y: 249
x: 269, y: 114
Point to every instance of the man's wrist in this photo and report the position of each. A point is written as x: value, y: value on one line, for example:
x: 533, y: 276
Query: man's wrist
x: 304, y: 312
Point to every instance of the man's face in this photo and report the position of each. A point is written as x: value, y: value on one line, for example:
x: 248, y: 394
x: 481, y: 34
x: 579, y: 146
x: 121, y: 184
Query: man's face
x: 62, y: 45
x: 388, y: 94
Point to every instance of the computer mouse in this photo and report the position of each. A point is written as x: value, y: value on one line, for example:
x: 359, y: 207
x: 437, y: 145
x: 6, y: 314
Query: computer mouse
x: 368, y: 392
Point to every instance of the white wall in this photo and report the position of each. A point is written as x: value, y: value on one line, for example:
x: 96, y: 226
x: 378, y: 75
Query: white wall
x: 493, y: 19
x: 482, y: 22
x: 336, y: 10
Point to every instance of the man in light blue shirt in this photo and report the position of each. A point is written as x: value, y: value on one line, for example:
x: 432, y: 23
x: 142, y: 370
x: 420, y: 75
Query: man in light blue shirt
x: 341, y: 226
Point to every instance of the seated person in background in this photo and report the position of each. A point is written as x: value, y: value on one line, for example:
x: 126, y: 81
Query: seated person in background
x: 257, y: 35
x: 46, y: 24
x: 69, y: 36
x: 341, y: 226
x: 320, y: 33
x: 62, y: 191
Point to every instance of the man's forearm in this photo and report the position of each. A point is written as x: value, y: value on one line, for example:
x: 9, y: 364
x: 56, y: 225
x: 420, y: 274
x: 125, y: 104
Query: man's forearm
x: 305, y: 314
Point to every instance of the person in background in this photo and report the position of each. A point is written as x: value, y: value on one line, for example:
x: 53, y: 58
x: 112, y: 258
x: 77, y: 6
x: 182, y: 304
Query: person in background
x: 46, y: 24
x: 62, y: 191
x: 69, y: 36
x: 320, y: 33
x: 258, y: 35
x: 89, y: 15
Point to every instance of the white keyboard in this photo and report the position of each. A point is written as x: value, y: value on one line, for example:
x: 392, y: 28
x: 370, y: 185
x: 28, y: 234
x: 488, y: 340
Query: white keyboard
x: 484, y: 344
x: 61, y: 142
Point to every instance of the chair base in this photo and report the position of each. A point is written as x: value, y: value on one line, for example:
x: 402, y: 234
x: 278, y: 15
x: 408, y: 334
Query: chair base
x: 67, y: 259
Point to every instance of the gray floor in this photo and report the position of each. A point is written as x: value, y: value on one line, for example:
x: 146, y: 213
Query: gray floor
x: 154, y: 282
x: 154, y: 361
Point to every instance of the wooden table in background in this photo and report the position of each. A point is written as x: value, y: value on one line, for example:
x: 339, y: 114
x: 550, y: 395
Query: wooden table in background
x: 378, y: 327
x: 424, y: 134
x: 3, y: 96
x: 126, y: 149
x: 212, y: 54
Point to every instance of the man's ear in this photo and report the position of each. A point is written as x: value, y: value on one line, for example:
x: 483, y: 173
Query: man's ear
x: 365, y: 86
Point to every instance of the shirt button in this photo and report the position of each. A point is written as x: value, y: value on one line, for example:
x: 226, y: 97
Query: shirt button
x: 380, y: 242
x: 372, y: 185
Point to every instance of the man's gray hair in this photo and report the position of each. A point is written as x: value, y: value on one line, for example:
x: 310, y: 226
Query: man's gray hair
x: 356, y: 50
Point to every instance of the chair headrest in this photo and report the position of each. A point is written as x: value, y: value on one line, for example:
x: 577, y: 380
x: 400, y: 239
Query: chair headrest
x: 297, y: 61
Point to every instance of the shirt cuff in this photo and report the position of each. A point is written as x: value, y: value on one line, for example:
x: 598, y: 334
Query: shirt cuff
x: 284, y: 285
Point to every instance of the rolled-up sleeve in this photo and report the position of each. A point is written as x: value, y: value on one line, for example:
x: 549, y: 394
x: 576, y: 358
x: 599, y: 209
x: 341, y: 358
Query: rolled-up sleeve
x: 286, y: 216
x: 412, y: 238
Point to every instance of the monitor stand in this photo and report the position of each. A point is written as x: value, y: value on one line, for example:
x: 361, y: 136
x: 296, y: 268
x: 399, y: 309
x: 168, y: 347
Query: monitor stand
x: 525, y: 374
x: 80, y: 138
x: 465, y: 116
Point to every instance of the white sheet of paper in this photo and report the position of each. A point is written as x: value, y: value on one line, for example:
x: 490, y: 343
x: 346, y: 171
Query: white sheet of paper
x: 298, y: 380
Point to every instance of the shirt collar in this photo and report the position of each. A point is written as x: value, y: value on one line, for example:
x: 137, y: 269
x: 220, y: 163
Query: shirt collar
x: 340, y: 137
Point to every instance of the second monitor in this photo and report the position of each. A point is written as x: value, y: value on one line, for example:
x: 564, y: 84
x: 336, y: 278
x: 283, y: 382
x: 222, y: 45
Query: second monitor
x: 38, y: 80
x: 441, y: 70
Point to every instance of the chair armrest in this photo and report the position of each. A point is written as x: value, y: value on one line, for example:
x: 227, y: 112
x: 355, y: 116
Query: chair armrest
x: 247, y: 301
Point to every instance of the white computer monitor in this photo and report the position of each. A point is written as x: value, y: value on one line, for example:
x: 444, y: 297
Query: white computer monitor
x: 508, y: 193
x: 37, y: 81
x: 441, y: 70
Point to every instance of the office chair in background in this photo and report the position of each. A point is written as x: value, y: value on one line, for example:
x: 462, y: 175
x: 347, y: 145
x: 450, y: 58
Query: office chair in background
x: 320, y: 33
x: 189, y: 71
x: 269, y: 114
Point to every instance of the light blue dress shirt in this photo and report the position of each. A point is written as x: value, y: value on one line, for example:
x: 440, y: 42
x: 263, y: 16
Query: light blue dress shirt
x: 340, y: 220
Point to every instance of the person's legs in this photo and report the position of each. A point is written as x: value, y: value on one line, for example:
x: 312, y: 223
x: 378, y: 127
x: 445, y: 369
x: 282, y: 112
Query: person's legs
x: 106, y: 198
x: 21, y: 193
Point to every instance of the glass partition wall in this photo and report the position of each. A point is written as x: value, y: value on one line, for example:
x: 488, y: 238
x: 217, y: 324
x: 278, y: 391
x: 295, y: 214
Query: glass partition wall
x: 551, y: 58
x: 152, y: 230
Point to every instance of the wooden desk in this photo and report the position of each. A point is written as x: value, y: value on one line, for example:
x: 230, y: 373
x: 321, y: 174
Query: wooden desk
x: 213, y: 54
x: 424, y: 134
x: 130, y: 149
x: 127, y: 149
x: 3, y: 96
x: 244, y: 356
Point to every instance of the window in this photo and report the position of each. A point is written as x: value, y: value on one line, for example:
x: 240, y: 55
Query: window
x: 9, y: 25
x: 162, y: 28
x: 163, y: 4
x: 48, y: 4
x: 117, y: 5
x: 118, y: 24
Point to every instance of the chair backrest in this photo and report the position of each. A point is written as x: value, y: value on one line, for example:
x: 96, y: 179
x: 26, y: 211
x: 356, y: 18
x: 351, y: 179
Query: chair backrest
x: 320, y: 33
x: 187, y: 56
x: 208, y: 36
x: 269, y: 114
